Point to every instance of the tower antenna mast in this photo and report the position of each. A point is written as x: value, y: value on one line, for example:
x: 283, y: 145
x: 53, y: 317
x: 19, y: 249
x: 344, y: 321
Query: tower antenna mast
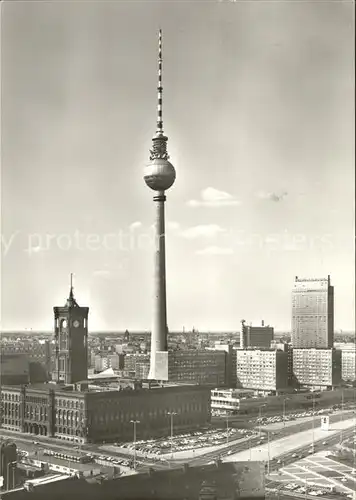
x: 159, y: 176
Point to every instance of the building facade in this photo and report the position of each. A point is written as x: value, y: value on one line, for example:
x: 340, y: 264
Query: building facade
x: 317, y: 368
x: 348, y: 363
x: 36, y: 353
x: 198, y: 366
x: 262, y: 370
x: 103, y: 415
x: 312, y: 313
x: 14, y: 369
x: 256, y: 336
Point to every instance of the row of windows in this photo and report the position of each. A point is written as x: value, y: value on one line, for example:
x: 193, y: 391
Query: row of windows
x: 65, y: 403
x: 9, y: 396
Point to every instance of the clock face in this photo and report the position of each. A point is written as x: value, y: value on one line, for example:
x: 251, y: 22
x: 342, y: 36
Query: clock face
x: 64, y: 324
x: 76, y: 323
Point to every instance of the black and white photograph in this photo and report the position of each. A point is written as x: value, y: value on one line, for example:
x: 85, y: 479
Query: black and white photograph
x: 177, y: 273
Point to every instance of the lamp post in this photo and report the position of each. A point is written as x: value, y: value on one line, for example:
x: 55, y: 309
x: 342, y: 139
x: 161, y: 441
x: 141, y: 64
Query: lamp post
x: 134, y: 422
x: 227, y: 429
x: 284, y: 411
x: 249, y: 444
x: 260, y: 417
x: 313, y: 421
x: 171, y: 414
x: 269, y: 453
x: 342, y: 415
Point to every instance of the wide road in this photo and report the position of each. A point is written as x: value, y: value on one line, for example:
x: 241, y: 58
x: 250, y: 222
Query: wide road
x: 291, y: 443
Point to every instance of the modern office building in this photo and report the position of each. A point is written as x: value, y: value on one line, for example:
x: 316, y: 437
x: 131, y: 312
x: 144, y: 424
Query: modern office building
x: 198, y: 366
x: 265, y: 370
x: 312, y: 313
x: 8, y: 463
x: 230, y: 362
x: 317, y: 368
x: 256, y: 336
x: 348, y: 364
x: 229, y: 400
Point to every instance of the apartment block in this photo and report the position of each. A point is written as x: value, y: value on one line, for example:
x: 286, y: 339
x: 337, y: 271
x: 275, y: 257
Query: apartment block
x: 262, y: 370
x: 317, y: 368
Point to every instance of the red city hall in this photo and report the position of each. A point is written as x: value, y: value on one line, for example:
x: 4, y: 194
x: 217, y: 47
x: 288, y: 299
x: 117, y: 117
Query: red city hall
x: 70, y: 408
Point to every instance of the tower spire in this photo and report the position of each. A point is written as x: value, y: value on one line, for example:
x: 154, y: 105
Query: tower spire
x: 159, y: 149
x: 71, y: 286
x: 160, y: 87
x: 71, y: 302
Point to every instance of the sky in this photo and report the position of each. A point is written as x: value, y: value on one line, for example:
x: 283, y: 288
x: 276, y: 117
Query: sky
x: 258, y: 105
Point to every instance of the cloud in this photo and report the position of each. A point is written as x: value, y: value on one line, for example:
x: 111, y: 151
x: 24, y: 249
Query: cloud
x: 206, y: 231
x: 173, y: 226
x: 135, y: 225
x: 101, y: 273
x: 215, y: 251
x: 272, y: 196
x: 211, y: 197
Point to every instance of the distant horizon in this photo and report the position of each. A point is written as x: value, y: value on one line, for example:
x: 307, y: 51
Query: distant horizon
x: 135, y: 332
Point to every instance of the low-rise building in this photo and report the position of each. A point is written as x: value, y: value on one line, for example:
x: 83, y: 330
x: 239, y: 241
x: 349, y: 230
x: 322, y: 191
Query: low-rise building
x: 317, y: 368
x: 264, y: 370
x: 229, y: 400
x: 84, y: 414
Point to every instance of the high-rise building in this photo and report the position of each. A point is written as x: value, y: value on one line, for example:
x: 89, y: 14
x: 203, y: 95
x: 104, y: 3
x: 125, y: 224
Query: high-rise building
x: 256, y: 336
x: 312, y: 313
x: 71, y: 341
x: 159, y: 175
x: 317, y: 368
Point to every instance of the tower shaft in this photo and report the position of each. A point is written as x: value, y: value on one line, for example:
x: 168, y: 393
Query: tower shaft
x: 159, y: 176
x: 159, y: 322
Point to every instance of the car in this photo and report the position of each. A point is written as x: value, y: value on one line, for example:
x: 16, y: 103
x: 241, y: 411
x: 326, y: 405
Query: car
x: 294, y: 455
x: 325, y: 443
x: 343, y: 480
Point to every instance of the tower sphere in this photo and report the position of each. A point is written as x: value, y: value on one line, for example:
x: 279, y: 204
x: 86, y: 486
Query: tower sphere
x: 159, y: 174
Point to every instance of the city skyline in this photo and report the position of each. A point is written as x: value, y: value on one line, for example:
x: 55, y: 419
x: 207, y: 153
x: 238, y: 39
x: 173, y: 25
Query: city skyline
x: 261, y: 134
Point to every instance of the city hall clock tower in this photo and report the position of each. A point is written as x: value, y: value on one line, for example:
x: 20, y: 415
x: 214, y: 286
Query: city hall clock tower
x: 71, y: 341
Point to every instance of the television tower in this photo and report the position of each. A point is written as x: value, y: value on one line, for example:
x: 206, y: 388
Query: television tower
x: 159, y: 175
